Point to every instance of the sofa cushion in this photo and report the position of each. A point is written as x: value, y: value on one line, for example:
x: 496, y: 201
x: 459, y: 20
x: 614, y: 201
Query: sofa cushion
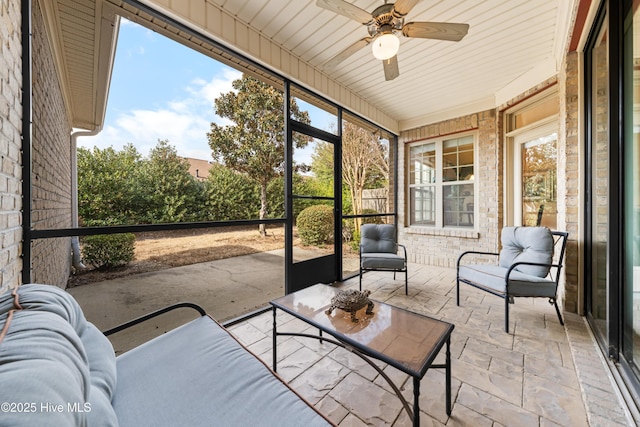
x: 199, y: 375
x: 527, y: 244
x: 43, y: 361
x: 102, y: 374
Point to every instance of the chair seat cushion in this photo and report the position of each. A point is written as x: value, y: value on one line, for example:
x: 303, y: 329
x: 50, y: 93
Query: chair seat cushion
x: 382, y: 260
x: 492, y: 277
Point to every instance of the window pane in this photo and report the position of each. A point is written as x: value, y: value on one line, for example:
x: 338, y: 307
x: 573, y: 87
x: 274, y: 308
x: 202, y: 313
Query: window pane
x: 423, y: 205
x: 600, y: 184
x: 466, y: 173
x: 450, y: 159
x: 450, y: 174
x: 458, y: 205
x: 465, y: 144
x: 535, y: 113
x: 423, y: 164
x: 439, y: 178
x: 540, y: 182
x: 631, y: 307
x: 457, y: 159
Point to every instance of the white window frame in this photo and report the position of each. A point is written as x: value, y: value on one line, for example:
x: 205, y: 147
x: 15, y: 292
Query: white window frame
x: 440, y: 184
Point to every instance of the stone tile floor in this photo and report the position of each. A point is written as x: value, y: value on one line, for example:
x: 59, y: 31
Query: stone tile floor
x: 539, y: 374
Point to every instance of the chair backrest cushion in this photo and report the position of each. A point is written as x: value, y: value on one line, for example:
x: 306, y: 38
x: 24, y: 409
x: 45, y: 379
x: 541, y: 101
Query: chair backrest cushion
x: 527, y: 244
x: 377, y: 238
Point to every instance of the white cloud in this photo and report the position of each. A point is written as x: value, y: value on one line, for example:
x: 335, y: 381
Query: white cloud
x: 210, y: 90
x: 124, y: 21
x: 184, y: 122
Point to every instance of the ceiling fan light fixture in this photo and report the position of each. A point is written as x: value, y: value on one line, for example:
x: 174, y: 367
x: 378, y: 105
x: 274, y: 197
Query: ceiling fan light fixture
x: 385, y: 46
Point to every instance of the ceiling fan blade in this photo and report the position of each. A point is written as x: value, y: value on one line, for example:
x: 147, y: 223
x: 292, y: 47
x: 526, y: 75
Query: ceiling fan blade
x: 346, y: 9
x: 333, y: 62
x: 402, y: 7
x: 390, y: 66
x: 436, y: 30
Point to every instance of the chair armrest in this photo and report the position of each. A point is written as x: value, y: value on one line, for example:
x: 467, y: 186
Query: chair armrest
x: 473, y: 253
x: 153, y: 314
x: 536, y: 264
x: 404, y: 248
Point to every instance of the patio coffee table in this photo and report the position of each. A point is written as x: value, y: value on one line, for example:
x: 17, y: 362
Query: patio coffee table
x: 405, y: 340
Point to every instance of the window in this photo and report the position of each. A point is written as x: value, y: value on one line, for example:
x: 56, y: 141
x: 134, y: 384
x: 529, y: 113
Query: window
x: 441, y: 182
x: 531, y: 161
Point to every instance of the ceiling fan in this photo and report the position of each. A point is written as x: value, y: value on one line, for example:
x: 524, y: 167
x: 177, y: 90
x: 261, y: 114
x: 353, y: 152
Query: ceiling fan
x: 383, y: 24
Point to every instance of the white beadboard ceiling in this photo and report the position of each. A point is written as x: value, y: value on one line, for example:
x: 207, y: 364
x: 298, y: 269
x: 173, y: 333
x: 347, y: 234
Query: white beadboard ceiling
x: 508, y: 41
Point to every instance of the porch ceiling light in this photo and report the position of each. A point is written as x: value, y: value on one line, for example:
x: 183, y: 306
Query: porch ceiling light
x: 385, y: 46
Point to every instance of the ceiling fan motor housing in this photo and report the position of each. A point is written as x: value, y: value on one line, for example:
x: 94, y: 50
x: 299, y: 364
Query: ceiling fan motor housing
x: 384, y: 21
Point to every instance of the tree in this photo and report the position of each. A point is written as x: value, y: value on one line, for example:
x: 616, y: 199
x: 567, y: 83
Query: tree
x: 364, y: 163
x: 121, y: 187
x: 171, y: 194
x: 230, y: 195
x: 254, y: 144
x: 109, y: 185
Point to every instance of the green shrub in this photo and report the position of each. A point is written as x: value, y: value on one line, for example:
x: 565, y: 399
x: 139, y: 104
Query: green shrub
x: 231, y: 195
x: 315, y: 225
x: 355, y: 242
x: 106, y: 251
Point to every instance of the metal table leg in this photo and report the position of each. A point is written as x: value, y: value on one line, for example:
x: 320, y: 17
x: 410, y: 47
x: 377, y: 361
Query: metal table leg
x: 274, y: 344
x: 448, y: 377
x: 416, y: 402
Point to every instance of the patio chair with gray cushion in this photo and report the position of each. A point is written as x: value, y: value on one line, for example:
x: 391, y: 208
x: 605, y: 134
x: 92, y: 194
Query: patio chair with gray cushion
x: 528, y: 265
x: 379, y: 251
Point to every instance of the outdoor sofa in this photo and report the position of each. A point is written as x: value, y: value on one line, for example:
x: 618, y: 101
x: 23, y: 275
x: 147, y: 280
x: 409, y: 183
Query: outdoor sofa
x: 58, y: 369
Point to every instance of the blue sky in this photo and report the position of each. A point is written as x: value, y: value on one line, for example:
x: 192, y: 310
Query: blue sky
x: 161, y: 90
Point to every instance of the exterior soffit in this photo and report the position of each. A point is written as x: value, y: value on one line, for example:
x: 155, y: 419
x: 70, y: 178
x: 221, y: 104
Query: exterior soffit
x: 83, y: 39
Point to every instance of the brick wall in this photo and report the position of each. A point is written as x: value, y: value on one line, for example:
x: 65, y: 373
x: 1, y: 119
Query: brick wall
x: 10, y: 143
x: 50, y: 149
x: 570, y: 180
x: 51, y: 152
x: 441, y: 247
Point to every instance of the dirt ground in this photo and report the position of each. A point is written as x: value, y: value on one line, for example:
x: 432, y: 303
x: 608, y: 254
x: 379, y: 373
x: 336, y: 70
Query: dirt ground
x: 159, y: 250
